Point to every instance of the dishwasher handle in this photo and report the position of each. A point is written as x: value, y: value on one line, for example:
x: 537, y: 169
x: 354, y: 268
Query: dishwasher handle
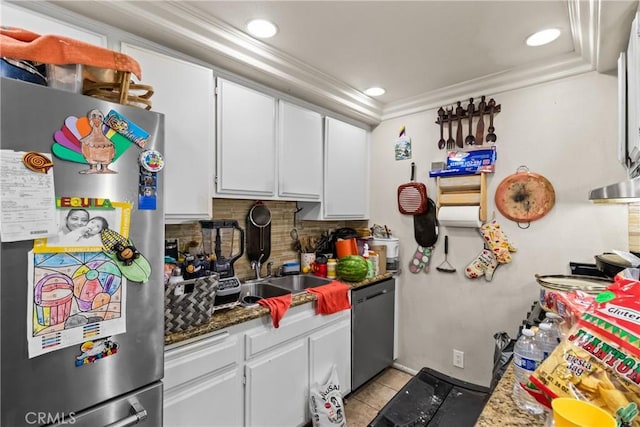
x: 372, y: 296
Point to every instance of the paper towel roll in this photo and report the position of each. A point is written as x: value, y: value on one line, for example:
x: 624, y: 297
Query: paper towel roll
x: 459, y: 216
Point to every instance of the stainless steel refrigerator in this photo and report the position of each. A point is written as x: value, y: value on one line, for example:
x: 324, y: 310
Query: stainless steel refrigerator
x: 50, y: 388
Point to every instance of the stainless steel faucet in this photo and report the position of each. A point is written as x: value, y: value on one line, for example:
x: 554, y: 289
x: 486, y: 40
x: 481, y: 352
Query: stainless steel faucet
x: 257, y: 266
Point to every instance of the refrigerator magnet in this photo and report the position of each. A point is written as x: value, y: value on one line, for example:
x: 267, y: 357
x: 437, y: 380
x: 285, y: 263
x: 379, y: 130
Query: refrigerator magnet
x: 131, y: 263
x: 92, y: 351
x: 37, y: 162
x: 126, y: 128
x: 151, y: 162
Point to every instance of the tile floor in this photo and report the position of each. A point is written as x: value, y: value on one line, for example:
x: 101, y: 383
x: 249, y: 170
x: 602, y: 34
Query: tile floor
x: 362, y: 406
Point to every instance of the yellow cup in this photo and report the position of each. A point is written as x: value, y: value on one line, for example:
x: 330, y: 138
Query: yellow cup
x: 569, y: 412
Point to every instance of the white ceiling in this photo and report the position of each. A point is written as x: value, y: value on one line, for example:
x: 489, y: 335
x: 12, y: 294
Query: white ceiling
x: 422, y: 52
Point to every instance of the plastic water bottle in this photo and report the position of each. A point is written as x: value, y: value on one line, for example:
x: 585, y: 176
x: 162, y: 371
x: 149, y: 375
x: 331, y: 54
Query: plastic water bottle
x: 547, y: 338
x: 526, y: 358
x: 555, y: 320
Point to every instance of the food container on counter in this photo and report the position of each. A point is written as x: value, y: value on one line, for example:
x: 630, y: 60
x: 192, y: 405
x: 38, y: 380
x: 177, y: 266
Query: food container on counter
x: 569, y: 295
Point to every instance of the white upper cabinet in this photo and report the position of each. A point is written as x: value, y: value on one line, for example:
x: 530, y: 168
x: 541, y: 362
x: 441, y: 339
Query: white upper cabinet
x: 346, y: 174
x: 246, y: 148
x: 300, y: 152
x: 184, y: 92
x: 633, y: 92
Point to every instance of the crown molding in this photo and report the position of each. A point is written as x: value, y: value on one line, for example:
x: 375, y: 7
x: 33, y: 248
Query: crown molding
x: 210, y: 38
x: 182, y: 27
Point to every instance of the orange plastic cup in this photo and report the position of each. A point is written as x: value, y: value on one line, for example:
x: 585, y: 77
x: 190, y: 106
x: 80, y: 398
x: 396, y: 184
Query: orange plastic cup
x: 569, y: 412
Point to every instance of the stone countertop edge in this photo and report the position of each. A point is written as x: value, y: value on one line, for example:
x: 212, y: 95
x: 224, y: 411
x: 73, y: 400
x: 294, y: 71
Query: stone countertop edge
x: 500, y: 409
x: 229, y: 317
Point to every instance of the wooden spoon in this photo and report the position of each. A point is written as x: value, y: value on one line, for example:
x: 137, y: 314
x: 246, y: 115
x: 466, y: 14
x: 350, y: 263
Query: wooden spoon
x: 441, y: 120
x: 491, y: 136
x: 459, y: 114
x: 480, y: 128
x: 470, y: 140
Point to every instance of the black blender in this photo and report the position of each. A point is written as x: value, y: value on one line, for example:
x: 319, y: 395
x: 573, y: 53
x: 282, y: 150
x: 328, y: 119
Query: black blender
x: 228, y: 292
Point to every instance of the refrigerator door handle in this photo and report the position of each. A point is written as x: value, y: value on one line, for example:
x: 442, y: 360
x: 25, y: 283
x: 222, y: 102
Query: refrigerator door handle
x: 138, y: 413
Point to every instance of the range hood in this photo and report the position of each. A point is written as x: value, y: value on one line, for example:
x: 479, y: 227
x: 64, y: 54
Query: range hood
x: 622, y: 192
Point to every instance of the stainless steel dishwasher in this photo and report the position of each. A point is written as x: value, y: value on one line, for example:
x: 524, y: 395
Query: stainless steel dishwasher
x: 372, y: 321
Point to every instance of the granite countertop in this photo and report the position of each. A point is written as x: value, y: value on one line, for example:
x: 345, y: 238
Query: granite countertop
x: 500, y: 409
x: 228, y: 317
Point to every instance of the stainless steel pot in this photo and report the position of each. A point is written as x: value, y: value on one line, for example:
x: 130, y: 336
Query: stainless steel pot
x: 611, y: 264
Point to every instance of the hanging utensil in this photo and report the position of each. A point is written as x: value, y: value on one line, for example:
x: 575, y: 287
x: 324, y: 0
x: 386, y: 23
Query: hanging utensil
x: 459, y: 114
x: 412, y: 196
x: 445, y: 266
x: 469, y: 140
x: 259, y: 233
x: 451, y: 143
x: 480, y: 126
x: 491, y: 136
x: 441, y: 120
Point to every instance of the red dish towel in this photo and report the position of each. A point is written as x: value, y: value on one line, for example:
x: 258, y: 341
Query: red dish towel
x: 332, y: 298
x: 278, y: 306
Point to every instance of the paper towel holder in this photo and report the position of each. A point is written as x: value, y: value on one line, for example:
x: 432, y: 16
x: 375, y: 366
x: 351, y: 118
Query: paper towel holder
x: 463, y: 190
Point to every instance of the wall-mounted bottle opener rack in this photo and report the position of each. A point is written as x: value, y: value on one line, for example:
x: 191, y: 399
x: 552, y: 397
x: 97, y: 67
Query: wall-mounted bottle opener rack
x: 459, y: 113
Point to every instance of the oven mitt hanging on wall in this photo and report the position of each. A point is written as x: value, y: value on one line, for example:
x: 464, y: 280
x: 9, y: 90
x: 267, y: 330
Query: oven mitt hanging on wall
x: 132, y: 264
x: 425, y: 230
x: 497, y: 241
x: 484, y: 265
x: 421, y: 260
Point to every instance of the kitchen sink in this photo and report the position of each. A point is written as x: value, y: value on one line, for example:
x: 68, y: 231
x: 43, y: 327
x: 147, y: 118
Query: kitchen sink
x: 298, y: 283
x: 251, y: 292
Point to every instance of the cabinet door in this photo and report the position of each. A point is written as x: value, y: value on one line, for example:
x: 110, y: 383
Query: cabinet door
x: 331, y: 346
x: 277, y: 389
x: 246, y: 149
x: 15, y: 16
x: 346, y: 184
x: 203, y: 382
x: 184, y: 92
x: 209, y: 401
x: 300, y: 152
x: 633, y: 91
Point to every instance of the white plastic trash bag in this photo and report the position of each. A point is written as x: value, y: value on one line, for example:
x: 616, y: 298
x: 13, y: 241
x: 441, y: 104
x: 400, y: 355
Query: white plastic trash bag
x: 325, y: 403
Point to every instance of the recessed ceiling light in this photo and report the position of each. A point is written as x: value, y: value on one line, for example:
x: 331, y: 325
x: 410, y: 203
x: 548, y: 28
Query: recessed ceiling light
x: 543, y: 37
x: 375, y: 91
x: 262, y: 28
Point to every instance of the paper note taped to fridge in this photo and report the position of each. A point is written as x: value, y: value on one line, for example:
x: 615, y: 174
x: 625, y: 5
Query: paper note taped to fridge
x: 82, y: 219
x: 27, y: 211
x: 73, y: 298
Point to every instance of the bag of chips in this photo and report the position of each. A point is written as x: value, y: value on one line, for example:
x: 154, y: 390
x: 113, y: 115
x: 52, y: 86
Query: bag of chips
x: 599, y: 361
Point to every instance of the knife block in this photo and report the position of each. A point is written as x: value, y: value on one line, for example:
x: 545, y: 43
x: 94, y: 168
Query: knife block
x: 463, y: 190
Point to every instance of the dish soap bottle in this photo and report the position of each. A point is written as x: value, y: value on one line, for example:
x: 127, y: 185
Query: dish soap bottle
x: 365, y: 255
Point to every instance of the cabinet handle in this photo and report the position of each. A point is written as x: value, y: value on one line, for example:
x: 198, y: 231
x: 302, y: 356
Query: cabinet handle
x: 137, y: 414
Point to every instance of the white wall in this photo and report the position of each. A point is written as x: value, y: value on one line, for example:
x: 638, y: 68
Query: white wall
x: 564, y: 130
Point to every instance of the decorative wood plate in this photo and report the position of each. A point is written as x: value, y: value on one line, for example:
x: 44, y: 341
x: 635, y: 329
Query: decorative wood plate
x: 525, y: 196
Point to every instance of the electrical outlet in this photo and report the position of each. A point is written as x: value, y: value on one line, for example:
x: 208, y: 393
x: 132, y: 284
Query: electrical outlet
x: 458, y: 358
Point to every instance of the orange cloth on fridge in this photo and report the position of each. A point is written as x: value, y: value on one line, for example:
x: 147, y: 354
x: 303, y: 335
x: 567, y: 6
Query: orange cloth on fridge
x: 18, y: 43
x: 278, y: 306
x: 332, y: 297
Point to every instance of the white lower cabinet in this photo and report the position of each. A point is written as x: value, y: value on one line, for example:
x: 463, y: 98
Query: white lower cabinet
x: 328, y: 347
x: 277, y: 392
x: 203, y: 383
x: 252, y: 374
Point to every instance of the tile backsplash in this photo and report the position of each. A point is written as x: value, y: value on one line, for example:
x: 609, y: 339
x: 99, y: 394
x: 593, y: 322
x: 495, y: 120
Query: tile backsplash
x: 282, y: 222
